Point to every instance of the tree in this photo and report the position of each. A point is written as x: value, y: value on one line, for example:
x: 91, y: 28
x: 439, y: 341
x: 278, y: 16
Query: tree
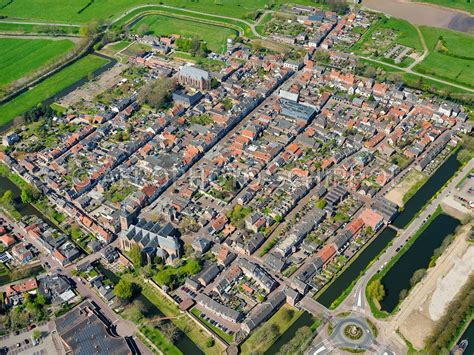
x: 7, y: 198
x: 376, y: 290
x: 417, y: 276
x: 25, y: 196
x: 36, y: 334
x: 157, y: 93
x: 169, y: 330
x: 136, y: 256
x: 124, y: 289
x: 210, y: 342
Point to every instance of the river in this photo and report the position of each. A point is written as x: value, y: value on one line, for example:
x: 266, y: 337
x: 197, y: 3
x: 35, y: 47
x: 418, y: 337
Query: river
x: 418, y: 256
x: 184, y: 343
x: 424, y: 14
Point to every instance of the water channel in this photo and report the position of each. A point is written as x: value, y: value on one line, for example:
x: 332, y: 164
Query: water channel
x: 469, y: 336
x: 184, y: 343
x: 416, y: 257
x: 359, y: 264
x: 305, y: 320
x: 421, y: 197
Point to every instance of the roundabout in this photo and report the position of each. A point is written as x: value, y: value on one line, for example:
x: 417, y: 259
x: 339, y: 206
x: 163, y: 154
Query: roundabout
x: 353, y: 332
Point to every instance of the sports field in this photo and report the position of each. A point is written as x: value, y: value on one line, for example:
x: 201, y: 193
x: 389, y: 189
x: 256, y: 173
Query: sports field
x: 21, y: 57
x: 50, y: 87
x: 215, y: 36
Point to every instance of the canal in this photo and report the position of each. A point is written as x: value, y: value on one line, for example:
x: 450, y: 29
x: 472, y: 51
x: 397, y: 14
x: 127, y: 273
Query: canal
x: 360, y: 264
x: 412, y: 207
x: 305, y: 320
x: 469, y: 336
x: 417, y: 257
x: 25, y: 209
x: 184, y: 343
x: 422, y: 196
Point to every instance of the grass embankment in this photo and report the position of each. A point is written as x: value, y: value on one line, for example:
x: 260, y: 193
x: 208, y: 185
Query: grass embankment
x: 264, y: 336
x: 25, y: 28
x: 159, y: 340
x: 223, y: 335
x: 162, y: 25
x: 379, y: 276
x: 50, y: 87
x: 451, y: 55
x: 23, y: 57
x: 182, y: 321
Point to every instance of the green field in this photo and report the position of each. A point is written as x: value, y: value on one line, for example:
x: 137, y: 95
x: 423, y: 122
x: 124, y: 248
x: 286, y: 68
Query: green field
x: 405, y: 34
x: 27, y: 28
x: 464, y: 5
x: 451, y: 55
x: 50, y: 87
x: 215, y: 36
x: 262, y: 338
x: 452, y: 43
x: 79, y: 11
x: 20, y: 57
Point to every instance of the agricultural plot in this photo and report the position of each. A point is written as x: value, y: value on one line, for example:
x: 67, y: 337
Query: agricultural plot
x: 451, y: 55
x: 50, y: 87
x: 463, y: 5
x: 81, y: 11
x: 392, y: 40
x: 22, y: 57
x: 159, y: 25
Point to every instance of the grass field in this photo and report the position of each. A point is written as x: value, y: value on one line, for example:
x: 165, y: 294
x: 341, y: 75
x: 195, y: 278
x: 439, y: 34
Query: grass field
x: 463, y: 5
x: 50, y: 87
x: 452, y: 43
x: 258, y: 342
x: 82, y: 11
x: 27, y: 28
x: 215, y: 36
x: 20, y: 57
x: 451, y: 55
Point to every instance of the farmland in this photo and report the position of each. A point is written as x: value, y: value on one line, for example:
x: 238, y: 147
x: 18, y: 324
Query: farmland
x: 81, y: 11
x: 33, y: 53
x: 50, y: 87
x: 462, y: 5
x: 451, y: 55
x: 215, y: 36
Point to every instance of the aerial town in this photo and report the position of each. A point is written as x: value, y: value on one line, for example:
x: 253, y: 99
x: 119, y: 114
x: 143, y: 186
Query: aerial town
x: 285, y: 191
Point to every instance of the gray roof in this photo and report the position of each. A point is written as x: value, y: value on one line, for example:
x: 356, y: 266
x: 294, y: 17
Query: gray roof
x: 194, y: 73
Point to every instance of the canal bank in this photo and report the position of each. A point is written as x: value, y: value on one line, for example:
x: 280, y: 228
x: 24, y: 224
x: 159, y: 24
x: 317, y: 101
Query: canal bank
x: 25, y: 209
x: 397, y: 278
x: 347, y: 279
x: 341, y: 286
x: 305, y: 320
x: 434, y: 183
x: 184, y: 343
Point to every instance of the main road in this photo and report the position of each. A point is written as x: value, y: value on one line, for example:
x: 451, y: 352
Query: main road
x: 357, y: 301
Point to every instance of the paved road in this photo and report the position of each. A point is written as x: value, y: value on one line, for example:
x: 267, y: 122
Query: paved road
x: 399, y: 241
